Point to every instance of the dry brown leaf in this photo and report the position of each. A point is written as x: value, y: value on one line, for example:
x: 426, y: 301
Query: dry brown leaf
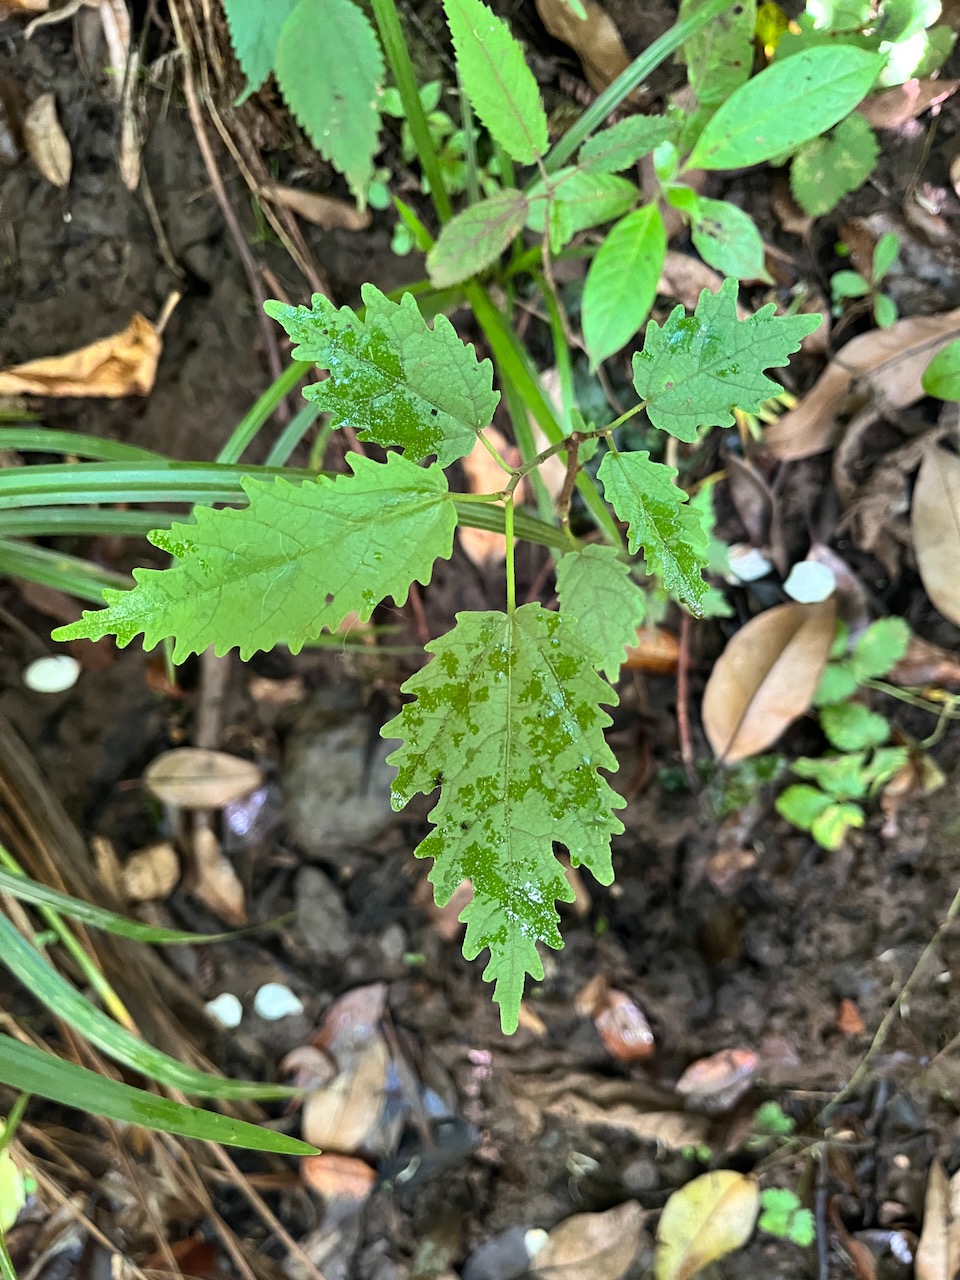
x: 657, y: 652
x: 485, y: 476
x: 714, y: 1084
x: 344, y: 1115
x: 703, y: 1221
x: 352, y: 1020
x: 885, y: 365
x: 624, y: 1030
x: 582, y: 903
x: 935, y: 521
x: 115, y: 21
x: 8, y: 7
x: 213, y: 880
x: 46, y: 142
x: 340, y: 1178
x: 151, y: 874
x: 765, y: 678
x: 592, y: 1246
x: 446, y: 919
x: 594, y: 39
x: 938, y: 1253
x: 849, y: 1019
x: 920, y: 776
x: 672, y: 1129
x: 893, y: 107
x: 926, y: 663
x: 684, y: 277
x: 328, y: 212
x: 192, y: 778
x: 125, y: 364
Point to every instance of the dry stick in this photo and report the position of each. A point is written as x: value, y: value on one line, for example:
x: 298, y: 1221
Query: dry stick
x: 891, y: 1015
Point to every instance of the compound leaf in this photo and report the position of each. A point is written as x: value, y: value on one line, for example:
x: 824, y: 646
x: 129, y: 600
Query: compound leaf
x: 658, y: 518
x: 821, y: 86
x: 602, y: 603
x: 330, y: 68
x: 391, y: 377
x: 476, y: 238
x: 622, y: 282
x: 254, y: 31
x: 719, y: 57
x: 829, y: 168
x: 497, y: 80
x: 695, y: 370
x: 507, y: 723
x: 299, y: 558
x: 623, y: 144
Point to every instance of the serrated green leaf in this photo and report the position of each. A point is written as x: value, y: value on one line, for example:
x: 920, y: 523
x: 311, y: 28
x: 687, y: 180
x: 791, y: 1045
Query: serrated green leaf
x: 602, y: 603
x: 880, y: 648
x: 821, y: 86
x: 587, y: 200
x: 850, y: 726
x: 623, y: 144
x: 297, y: 560
x: 941, y: 377
x: 719, y: 58
x: 622, y: 282
x: 727, y: 238
x: 507, y: 723
x: 475, y: 238
x: 837, y: 683
x: 801, y: 804
x: 392, y: 379
x: 254, y: 31
x: 695, y: 370
x: 830, y: 828
x: 658, y: 518
x: 330, y: 68
x: 496, y: 79
x: 829, y: 168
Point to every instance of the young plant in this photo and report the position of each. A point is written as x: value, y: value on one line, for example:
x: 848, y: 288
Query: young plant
x: 783, y: 1215
x: 851, y: 284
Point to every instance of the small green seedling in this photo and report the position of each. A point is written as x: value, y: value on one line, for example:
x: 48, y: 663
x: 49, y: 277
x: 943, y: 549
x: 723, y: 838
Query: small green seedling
x: 770, y: 1121
x: 851, y: 284
x: 782, y: 1215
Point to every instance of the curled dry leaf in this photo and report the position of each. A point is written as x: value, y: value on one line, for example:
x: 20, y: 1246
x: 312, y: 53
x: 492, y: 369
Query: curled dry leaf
x: 926, y: 663
x: 193, y: 778
x: 716, y: 1083
x: 594, y: 39
x: 352, y: 1020
x: 703, y: 1221
x: 671, y: 1129
x: 684, y: 277
x: 125, y: 364
x: 938, y: 1253
x: 151, y: 874
x: 592, y: 1246
x: 446, y: 919
x: 328, y: 212
x: 894, y: 107
x: 624, y: 1030
x: 8, y: 7
x: 46, y: 142
x: 765, y: 678
x: 920, y: 776
x: 344, y: 1116
x: 884, y: 366
x: 214, y: 881
x: 849, y: 1019
x: 935, y: 520
x: 657, y: 652
x: 340, y: 1178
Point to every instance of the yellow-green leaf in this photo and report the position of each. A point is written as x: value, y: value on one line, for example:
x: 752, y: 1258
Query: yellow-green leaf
x: 703, y: 1221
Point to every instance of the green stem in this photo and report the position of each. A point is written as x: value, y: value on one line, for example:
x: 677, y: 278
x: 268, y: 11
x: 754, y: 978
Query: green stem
x: 248, y: 426
x: 630, y: 79
x: 70, y: 574
x: 511, y: 567
x: 43, y: 440
x: 470, y: 144
x: 7, y: 1271
x: 398, y: 56
x: 20, y: 1105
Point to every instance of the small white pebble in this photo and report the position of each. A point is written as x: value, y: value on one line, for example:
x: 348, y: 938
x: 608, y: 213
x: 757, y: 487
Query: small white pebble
x: 226, y: 1009
x: 55, y: 674
x: 533, y: 1241
x: 274, y: 1001
x: 747, y: 564
x: 810, y: 582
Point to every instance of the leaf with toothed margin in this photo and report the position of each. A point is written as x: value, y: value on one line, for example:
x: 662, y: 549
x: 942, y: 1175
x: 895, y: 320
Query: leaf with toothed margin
x: 507, y: 723
x: 600, y: 600
x: 393, y: 379
x: 297, y: 560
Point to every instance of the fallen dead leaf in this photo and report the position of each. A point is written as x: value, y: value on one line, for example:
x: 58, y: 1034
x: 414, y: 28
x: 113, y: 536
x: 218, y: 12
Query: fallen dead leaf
x: 716, y: 1083
x: 329, y: 212
x: 46, y: 142
x: 591, y: 998
x: 582, y: 903
x: 344, y: 1116
x: 352, y: 1020
x: 703, y: 1221
x: 530, y: 1020
x: 893, y: 107
x: 684, y: 277
x: 483, y: 546
x: 926, y: 663
x: 193, y: 778
x: 883, y: 367
x: 592, y: 1246
x: 115, y: 21
x: 657, y: 652
x: 594, y: 39
x: 339, y: 1178
x: 213, y: 880
x: 672, y: 1129
x: 935, y: 521
x: 151, y: 874
x: 849, y: 1021
x: 277, y: 693
x: 863, y: 1265
x: 789, y: 214
x: 938, y: 1253
x: 125, y: 364
x: 920, y: 776
x: 446, y: 919
x: 23, y: 6
x: 765, y: 678
x: 623, y: 1028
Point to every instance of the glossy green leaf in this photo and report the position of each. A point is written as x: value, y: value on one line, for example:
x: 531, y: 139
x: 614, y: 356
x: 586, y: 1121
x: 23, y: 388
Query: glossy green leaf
x: 507, y: 723
x: 727, y: 238
x: 787, y: 104
x: 659, y: 519
x: 624, y: 143
x: 254, y: 31
x: 719, y: 57
x: 33, y: 1071
x: 496, y: 79
x: 602, y: 603
x: 941, y: 377
x: 695, y: 370
x: 475, y: 238
x: 392, y: 378
x: 622, y: 282
x: 850, y: 726
x: 829, y: 168
x: 584, y: 200
x: 297, y: 560
x: 330, y: 68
